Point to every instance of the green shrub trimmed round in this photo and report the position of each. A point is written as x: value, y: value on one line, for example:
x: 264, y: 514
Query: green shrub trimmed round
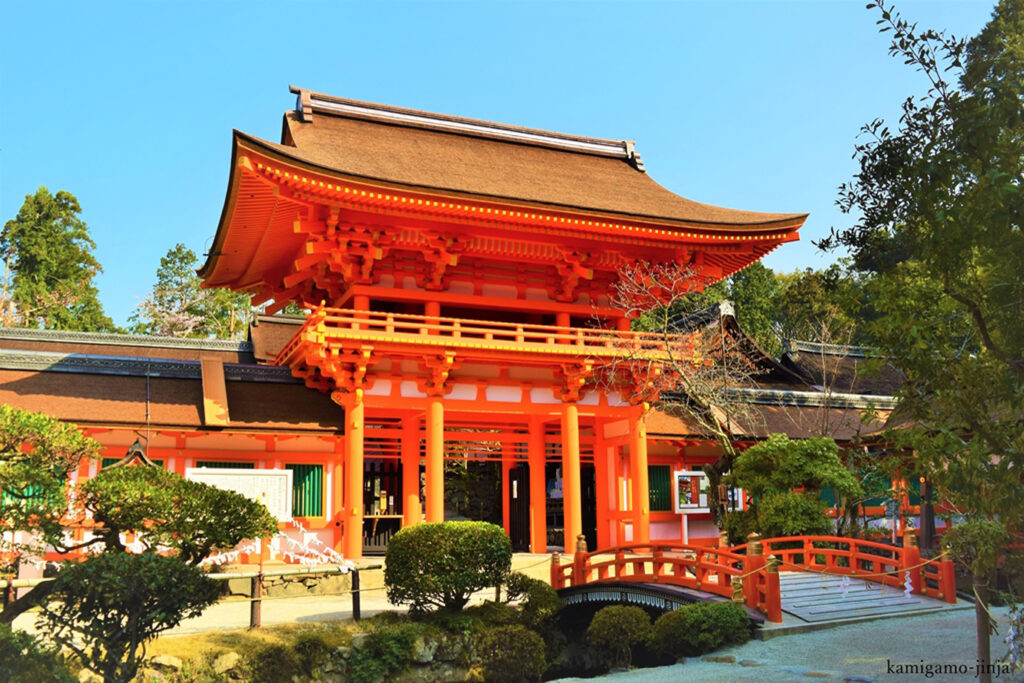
x: 539, y: 602
x: 617, y: 629
x: 509, y: 654
x: 387, y: 650
x: 441, y: 564
x: 699, y: 628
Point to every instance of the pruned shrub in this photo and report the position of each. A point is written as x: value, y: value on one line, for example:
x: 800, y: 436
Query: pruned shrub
x: 386, y: 651
x: 509, y: 654
x: 440, y: 565
x: 539, y: 602
x: 792, y: 514
x: 698, y: 628
x: 492, y: 613
x: 616, y: 630
x: 26, y: 659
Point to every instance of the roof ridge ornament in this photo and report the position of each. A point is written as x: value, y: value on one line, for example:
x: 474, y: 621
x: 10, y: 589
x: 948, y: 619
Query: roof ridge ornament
x: 308, y: 102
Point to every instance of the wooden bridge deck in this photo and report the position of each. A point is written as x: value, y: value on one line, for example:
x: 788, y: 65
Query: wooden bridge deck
x: 812, y: 601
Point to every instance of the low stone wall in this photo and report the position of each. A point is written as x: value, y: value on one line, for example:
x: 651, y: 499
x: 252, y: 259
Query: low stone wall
x: 292, y: 586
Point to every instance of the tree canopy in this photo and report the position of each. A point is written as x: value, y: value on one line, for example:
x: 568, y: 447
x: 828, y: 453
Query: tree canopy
x: 178, y: 306
x: 49, y: 267
x: 938, y: 205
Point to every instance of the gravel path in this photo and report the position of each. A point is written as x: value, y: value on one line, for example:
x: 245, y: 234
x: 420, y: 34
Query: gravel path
x: 857, y: 653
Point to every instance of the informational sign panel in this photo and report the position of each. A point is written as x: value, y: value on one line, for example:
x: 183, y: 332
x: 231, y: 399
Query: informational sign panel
x: 273, y: 488
x: 690, y: 491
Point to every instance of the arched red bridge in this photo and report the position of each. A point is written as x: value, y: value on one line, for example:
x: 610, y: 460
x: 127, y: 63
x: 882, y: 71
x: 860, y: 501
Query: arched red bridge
x: 749, y: 573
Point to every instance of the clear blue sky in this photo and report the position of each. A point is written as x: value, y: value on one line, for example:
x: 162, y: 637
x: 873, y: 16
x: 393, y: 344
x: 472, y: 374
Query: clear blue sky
x: 130, y: 105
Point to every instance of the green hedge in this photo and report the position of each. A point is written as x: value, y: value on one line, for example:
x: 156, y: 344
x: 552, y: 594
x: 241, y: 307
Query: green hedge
x: 616, y: 630
x: 511, y: 653
x: 440, y: 565
x: 698, y: 628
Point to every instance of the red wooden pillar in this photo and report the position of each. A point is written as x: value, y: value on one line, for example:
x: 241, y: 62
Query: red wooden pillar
x: 435, y: 459
x: 412, y: 507
x: 638, y: 474
x: 354, y: 432
x: 572, y: 496
x: 538, y: 490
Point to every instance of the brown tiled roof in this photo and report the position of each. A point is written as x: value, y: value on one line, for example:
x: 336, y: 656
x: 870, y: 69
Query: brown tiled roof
x: 843, y: 424
x: 124, y: 345
x: 466, y: 164
x: 118, y: 400
x: 270, y: 334
x: 842, y: 372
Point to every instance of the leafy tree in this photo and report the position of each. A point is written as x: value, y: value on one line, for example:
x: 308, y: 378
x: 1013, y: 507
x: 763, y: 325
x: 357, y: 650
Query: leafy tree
x: 829, y: 304
x: 112, y: 597
x: 940, y: 203
x: 754, y: 293
x: 771, y: 471
x: 49, y: 254
x: 107, y: 608
x: 178, y: 306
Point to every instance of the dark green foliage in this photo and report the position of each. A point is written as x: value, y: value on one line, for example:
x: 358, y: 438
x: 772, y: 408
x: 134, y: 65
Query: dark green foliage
x: 510, y: 654
x: 272, y: 663
x: 48, y: 249
x: 616, y: 630
x: 312, y: 651
x: 772, y: 469
x: 439, y: 565
x: 699, y: 628
x: 781, y: 464
x: 386, y: 651
x: 26, y: 659
x: 193, y: 518
x: 491, y: 613
x: 107, y: 607
x: 739, y: 524
x: 33, y: 479
x: 538, y: 601
x: 792, y: 514
x: 179, y: 307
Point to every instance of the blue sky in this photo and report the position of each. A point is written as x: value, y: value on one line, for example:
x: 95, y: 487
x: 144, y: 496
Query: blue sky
x: 130, y: 105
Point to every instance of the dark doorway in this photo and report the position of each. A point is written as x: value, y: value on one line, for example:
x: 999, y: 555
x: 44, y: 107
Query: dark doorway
x: 519, y: 507
x: 382, y: 503
x: 556, y: 506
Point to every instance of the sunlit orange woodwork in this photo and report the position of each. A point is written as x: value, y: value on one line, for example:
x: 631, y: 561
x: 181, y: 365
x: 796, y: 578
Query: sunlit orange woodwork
x: 458, y: 274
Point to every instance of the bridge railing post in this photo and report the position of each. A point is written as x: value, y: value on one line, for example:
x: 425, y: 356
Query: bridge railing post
x: 579, y: 562
x: 723, y: 539
x: 912, y: 561
x: 947, y: 580
x: 751, y: 567
x: 772, y: 591
x: 557, y: 582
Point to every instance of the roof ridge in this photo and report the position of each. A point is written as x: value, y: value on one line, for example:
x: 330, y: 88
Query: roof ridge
x: 116, y: 339
x: 308, y: 102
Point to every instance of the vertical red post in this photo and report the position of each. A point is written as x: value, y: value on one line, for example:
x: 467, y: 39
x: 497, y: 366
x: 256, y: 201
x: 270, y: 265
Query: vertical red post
x: 580, y: 562
x: 638, y: 473
x: 435, y: 459
x: 752, y: 568
x: 912, y: 562
x: 947, y: 579
x: 354, y: 428
x: 772, y: 591
x: 538, y: 493
x: 556, y: 572
x: 572, y: 496
x: 412, y: 508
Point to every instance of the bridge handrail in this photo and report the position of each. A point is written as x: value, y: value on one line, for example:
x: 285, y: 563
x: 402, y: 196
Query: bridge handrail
x: 715, y: 570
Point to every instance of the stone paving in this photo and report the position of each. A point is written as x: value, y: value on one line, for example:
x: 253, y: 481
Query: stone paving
x: 858, y: 653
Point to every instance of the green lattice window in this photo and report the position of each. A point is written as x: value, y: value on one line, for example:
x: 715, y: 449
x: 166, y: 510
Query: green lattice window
x: 659, y: 485
x: 307, y: 490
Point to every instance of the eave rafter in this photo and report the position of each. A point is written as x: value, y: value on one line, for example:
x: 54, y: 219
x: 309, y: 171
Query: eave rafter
x: 342, y: 231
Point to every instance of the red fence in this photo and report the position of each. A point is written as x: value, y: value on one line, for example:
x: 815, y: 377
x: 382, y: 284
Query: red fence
x: 749, y: 573
x: 713, y: 570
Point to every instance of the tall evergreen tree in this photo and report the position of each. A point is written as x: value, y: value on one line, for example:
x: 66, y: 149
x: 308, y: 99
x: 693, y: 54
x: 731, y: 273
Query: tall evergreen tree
x: 178, y: 306
x: 49, y: 267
